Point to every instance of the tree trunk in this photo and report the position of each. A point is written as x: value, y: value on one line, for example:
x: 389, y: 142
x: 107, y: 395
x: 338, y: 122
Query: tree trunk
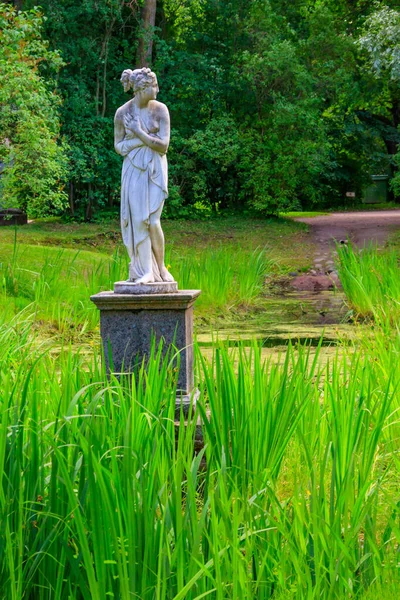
x: 89, y: 206
x: 145, y: 48
x: 71, y: 195
x: 110, y: 197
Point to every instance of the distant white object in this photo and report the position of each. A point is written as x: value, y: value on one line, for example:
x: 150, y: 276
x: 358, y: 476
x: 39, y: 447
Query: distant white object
x: 350, y: 194
x: 141, y: 136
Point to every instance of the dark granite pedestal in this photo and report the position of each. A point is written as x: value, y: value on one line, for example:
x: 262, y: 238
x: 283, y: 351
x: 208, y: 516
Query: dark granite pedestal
x: 129, y: 323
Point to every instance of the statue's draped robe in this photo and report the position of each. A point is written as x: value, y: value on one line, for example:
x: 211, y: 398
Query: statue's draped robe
x: 144, y: 187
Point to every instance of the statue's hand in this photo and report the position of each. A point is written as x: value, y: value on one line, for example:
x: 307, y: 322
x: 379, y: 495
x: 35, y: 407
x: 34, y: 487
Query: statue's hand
x: 133, y: 124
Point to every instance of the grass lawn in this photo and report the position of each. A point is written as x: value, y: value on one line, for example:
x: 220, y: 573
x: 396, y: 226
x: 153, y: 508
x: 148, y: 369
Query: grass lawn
x: 293, y: 214
x: 287, y: 242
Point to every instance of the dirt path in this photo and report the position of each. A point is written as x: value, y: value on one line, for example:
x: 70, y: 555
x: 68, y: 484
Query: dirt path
x: 358, y: 227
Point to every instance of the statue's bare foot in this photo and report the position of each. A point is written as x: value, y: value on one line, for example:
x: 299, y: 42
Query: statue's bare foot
x: 166, y: 275
x: 147, y: 278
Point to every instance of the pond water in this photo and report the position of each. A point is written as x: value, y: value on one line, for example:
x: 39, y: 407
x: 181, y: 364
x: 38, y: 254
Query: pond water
x: 318, y: 320
x: 296, y: 316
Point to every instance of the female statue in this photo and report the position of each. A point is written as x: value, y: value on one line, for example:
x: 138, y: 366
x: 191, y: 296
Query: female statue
x: 141, y: 136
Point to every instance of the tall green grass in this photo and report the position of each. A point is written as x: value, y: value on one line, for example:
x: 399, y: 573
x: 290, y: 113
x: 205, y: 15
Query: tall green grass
x: 295, y: 494
x: 227, y: 276
x: 371, y: 281
x: 59, y: 282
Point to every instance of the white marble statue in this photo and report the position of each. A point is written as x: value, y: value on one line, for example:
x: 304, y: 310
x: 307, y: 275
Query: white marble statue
x: 141, y: 136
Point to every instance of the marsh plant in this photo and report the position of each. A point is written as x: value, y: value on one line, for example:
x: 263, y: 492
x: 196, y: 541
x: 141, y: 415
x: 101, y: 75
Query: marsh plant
x: 58, y: 282
x: 371, y: 281
x: 294, y: 495
x: 227, y: 276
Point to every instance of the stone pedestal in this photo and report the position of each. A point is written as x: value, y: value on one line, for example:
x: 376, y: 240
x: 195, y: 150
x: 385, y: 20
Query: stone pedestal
x: 129, y: 322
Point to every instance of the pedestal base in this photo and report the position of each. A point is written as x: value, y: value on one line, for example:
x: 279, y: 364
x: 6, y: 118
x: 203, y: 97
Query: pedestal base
x: 184, y: 402
x: 130, y: 322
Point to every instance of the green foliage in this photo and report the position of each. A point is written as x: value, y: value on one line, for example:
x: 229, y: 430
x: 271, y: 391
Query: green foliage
x: 380, y: 46
x: 93, y: 39
x: 381, y: 42
x: 275, y: 105
x: 287, y: 145
x: 228, y: 276
x: 294, y: 495
x: 204, y: 167
x: 255, y: 142
x: 285, y: 100
x: 371, y: 281
x: 33, y: 155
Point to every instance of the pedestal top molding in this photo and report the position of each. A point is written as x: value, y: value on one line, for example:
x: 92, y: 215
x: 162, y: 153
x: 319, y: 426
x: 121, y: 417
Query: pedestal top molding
x: 172, y: 300
x: 138, y: 289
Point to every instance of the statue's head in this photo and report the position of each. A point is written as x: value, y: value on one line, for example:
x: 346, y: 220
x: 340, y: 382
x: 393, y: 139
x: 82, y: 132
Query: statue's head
x: 142, y: 79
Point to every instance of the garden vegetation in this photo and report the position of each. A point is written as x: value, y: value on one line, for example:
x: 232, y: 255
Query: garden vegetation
x: 294, y: 494
x: 274, y: 105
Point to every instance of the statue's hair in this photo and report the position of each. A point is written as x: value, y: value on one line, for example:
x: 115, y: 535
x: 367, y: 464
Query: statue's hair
x: 142, y: 78
x: 126, y: 77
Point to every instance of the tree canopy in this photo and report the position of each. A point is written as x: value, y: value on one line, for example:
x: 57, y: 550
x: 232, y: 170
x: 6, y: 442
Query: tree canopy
x: 274, y: 104
x: 32, y: 153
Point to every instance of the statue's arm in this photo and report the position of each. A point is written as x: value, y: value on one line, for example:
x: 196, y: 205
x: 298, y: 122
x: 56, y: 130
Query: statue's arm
x: 159, y: 142
x: 122, y: 145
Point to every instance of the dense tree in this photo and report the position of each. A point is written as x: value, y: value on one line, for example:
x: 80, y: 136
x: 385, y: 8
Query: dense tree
x: 273, y: 103
x: 97, y: 40
x: 33, y: 157
x: 380, y: 44
x: 246, y: 66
